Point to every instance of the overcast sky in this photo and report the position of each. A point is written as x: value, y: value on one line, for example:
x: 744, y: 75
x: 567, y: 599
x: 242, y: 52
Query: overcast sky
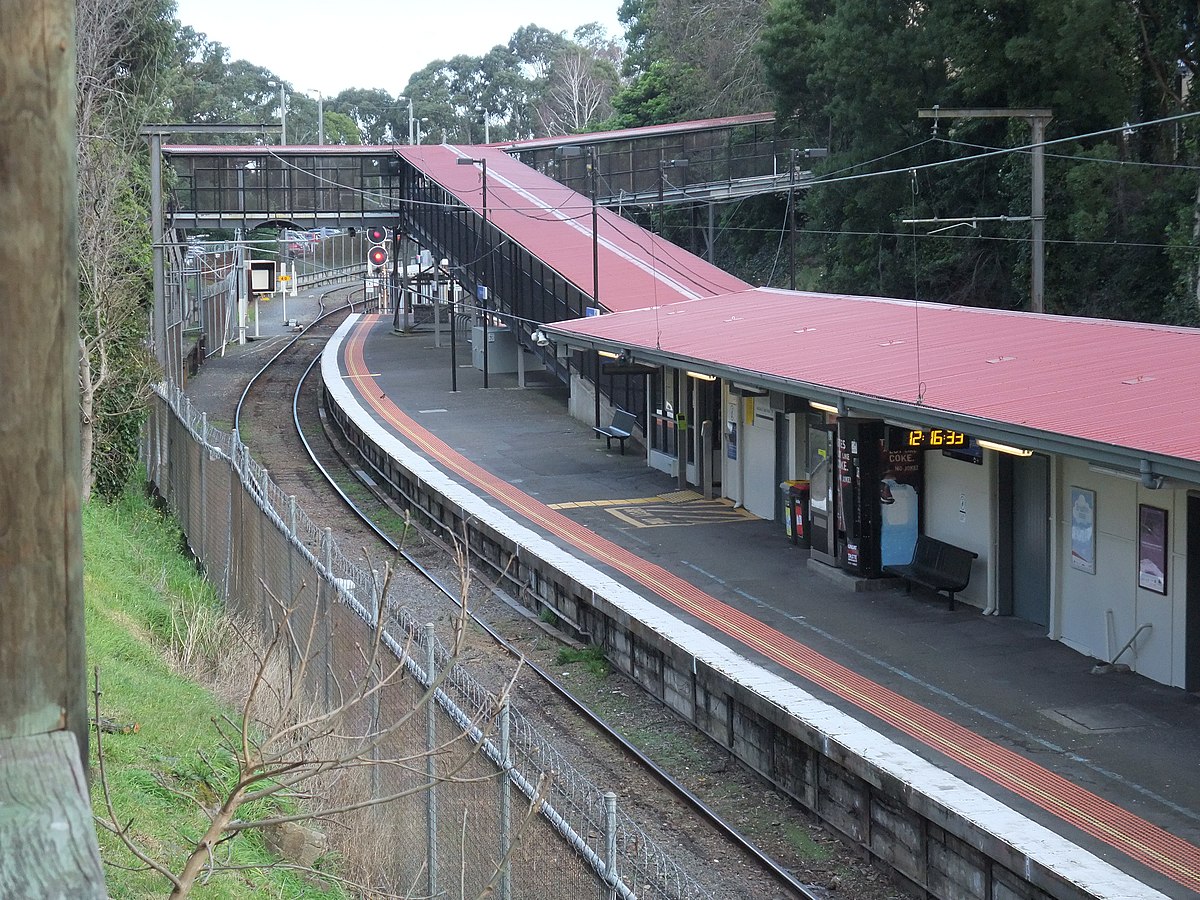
x: 327, y: 46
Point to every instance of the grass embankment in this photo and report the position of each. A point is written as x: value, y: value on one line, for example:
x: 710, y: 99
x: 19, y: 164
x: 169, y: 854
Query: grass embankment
x: 145, y: 607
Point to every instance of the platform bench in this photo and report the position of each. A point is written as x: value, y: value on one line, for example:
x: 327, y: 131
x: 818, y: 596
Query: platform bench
x: 621, y: 428
x: 936, y: 565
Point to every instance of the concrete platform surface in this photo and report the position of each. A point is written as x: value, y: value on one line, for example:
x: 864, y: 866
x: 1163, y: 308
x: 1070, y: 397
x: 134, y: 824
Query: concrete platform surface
x: 1125, y: 739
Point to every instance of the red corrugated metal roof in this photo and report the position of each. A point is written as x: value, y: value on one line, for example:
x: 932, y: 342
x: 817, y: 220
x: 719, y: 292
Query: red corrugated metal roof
x: 1121, y: 383
x: 554, y: 223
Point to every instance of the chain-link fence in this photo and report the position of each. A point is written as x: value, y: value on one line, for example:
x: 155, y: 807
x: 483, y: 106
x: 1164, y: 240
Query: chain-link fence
x: 475, y: 796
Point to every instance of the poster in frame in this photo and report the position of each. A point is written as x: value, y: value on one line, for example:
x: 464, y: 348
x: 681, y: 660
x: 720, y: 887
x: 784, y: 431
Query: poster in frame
x: 1152, y: 548
x: 1083, y: 530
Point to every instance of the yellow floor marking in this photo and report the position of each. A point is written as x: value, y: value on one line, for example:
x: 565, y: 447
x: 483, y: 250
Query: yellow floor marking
x: 672, y: 497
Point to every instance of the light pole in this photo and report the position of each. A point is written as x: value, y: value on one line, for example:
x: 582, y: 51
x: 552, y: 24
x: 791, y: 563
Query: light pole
x: 453, y: 328
x: 412, y: 135
x: 593, y: 191
x: 282, y: 112
x: 419, y: 121
x: 792, y: 218
x: 483, y: 299
x: 796, y: 154
x: 320, y: 114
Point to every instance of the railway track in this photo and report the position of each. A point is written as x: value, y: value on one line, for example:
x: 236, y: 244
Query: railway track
x: 305, y: 460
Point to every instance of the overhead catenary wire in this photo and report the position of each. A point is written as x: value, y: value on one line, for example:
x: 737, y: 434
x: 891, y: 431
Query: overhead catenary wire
x: 1135, y: 163
x: 832, y: 177
x: 1166, y: 120
x: 540, y: 213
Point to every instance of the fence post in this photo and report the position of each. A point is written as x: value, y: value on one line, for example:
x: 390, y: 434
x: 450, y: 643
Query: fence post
x: 158, y: 447
x: 293, y: 592
x: 145, y: 438
x: 202, y: 548
x: 505, y: 885
x: 233, y: 468
x: 325, y: 611
x: 430, y: 761
x: 610, y: 843
x: 268, y: 618
x: 376, y: 700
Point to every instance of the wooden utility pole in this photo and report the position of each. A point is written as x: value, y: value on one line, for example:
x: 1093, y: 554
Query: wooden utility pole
x: 1038, y: 119
x: 46, y: 832
x: 43, y: 681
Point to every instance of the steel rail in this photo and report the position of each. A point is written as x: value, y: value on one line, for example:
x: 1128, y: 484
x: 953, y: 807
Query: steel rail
x: 699, y: 806
x: 773, y: 868
x: 321, y: 315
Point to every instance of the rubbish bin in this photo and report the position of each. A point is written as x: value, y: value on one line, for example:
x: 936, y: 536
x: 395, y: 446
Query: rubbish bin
x: 798, y: 492
x: 795, y: 511
x: 789, y: 510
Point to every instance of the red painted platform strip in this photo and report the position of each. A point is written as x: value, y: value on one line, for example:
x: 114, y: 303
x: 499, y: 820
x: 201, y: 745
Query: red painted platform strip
x: 1139, y: 839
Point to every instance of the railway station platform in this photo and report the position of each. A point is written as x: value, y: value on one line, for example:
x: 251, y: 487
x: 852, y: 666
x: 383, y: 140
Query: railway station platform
x: 995, y: 702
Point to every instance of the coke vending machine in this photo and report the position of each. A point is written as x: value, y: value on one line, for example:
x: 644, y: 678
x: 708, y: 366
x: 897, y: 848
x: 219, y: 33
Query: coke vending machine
x: 879, y: 489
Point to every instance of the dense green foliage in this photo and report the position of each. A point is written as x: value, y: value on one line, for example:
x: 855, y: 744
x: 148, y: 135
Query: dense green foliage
x: 120, y: 45
x: 857, y: 71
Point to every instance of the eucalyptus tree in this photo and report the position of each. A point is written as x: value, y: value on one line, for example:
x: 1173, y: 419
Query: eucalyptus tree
x: 202, y: 84
x: 689, y: 59
x: 580, y: 82
x: 380, y: 117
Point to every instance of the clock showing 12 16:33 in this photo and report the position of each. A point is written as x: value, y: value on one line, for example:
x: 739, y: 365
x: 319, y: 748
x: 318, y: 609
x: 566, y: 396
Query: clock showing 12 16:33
x: 936, y: 437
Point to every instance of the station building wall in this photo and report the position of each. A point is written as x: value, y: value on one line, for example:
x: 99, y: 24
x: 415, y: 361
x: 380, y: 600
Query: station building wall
x: 1098, y: 612
x: 1092, y: 612
x: 959, y: 510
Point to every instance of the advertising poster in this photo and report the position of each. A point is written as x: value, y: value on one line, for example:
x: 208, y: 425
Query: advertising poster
x: 899, y: 505
x: 1083, y: 530
x: 1152, y: 549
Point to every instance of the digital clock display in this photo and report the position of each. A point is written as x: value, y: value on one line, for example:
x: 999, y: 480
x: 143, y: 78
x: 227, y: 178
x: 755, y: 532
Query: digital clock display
x: 936, y: 438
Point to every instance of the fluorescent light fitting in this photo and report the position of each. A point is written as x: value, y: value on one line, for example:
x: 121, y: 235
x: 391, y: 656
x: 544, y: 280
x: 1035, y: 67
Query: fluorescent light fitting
x: 823, y: 407
x: 701, y: 376
x: 609, y: 354
x: 747, y: 390
x: 1128, y: 475
x: 1004, y: 448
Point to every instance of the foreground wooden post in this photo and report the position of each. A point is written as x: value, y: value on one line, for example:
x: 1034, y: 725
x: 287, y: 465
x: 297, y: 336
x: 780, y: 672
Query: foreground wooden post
x: 49, y: 847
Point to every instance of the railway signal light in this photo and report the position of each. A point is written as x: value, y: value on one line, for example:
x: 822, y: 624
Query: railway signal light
x: 377, y: 249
